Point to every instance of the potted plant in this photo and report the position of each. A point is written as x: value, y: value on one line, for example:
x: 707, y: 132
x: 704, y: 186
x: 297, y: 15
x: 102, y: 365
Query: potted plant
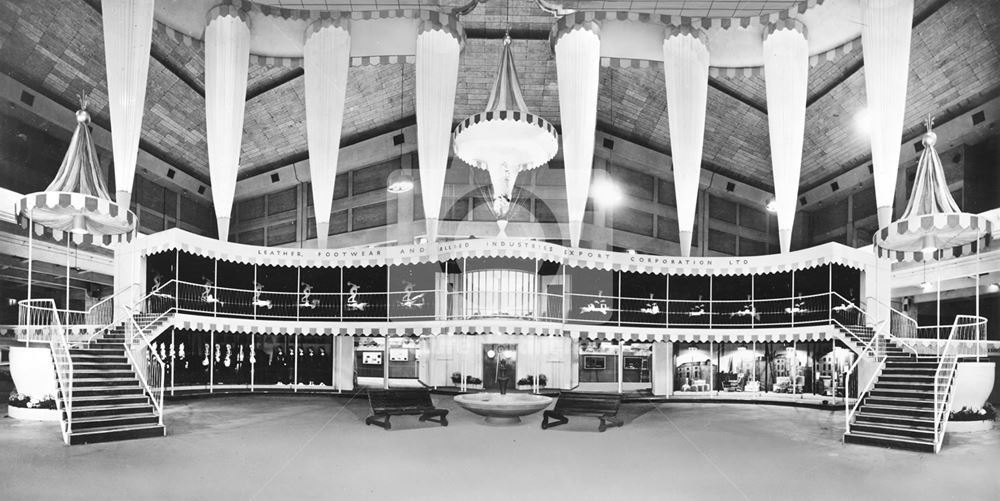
x: 21, y: 406
x: 456, y: 378
x: 968, y: 420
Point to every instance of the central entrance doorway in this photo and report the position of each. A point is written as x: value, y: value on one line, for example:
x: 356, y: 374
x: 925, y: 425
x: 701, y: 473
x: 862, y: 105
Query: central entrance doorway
x: 499, y: 360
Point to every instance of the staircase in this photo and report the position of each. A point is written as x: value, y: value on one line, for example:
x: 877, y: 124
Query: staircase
x: 109, y: 402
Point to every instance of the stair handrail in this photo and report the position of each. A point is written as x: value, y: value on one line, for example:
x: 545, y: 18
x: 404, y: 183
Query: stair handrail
x: 59, y: 347
x: 152, y: 378
x: 902, y: 328
x: 964, y: 328
x: 847, y: 308
x: 876, y: 346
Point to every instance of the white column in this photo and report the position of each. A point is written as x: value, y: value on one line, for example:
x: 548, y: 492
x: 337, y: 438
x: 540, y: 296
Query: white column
x: 886, y: 26
x: 685, y: 68
x: 128, y: 33
x: 327, y: 56
x: 227, y: 58
x: 438, y: 50
x: 578, y: 61
x: 786, y: 72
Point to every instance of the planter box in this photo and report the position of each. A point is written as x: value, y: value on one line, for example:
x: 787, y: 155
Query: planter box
x: 969, y: 426
x: 32, y: 414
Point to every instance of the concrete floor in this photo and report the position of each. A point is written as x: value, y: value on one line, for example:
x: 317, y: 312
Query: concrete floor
x: 317, y: 447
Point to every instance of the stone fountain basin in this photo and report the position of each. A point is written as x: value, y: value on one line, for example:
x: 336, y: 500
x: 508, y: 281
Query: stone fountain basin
x: 503, y: 409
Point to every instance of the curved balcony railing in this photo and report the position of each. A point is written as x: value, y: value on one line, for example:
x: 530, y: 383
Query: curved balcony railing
x: 430, y: 304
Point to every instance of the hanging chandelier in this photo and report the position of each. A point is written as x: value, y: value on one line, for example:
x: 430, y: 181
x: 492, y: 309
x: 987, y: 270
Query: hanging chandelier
x: 505, y: 139
x: 932, y: 227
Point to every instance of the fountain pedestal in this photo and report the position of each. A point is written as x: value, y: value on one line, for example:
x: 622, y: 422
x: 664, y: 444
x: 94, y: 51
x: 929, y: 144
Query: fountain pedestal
x: 503, y: 410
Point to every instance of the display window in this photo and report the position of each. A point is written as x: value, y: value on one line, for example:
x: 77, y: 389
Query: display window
x: 230, y: 359
x: 592, y: 296
x: 637, y: 362
x: 599, y: 361
x: 275, y: 292
x: 500, y: 287
x: 161, y: 268
x: 740, y: 367
x: 364, y: 295
x: 373, y: 360
x: 771, y: 298
x: 192, y: 361
x: 197, y: 289
x: 643, y: 299
x: 274, y: 359
x: 235, y: 284
x: 732, y: 301
x: 318, y: 293
x: 412, y: 292
x: 690, y: 298
x: 694, y: 367
x: 550, y: 291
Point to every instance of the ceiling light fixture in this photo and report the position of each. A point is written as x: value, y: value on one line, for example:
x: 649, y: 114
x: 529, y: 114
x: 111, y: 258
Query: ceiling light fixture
x: 994, y: 287
x: 771, y: 206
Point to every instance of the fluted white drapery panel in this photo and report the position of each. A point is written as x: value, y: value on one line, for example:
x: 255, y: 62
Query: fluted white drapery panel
x: 437, y: 78
x: 227, y: 57
x: 886, y: 27
x: 786, y: 72
x: 128, y: 33
x: 327, y: 56
x: 685, y: 68
x: 578, y: 61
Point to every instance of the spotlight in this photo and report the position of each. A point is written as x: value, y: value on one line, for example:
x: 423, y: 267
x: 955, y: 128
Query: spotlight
x: 606, y: 192
x: 771, y: 206
x: 863, y: 121
x: 926, y: 286
x: 994, y: 287
x: 399, y: 182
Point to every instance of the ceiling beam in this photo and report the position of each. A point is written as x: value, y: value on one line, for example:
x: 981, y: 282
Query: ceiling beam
x: 729, y: 91
x: 274, y: 83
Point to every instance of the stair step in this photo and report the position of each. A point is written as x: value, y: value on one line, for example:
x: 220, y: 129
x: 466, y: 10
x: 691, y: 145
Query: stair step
x: 895, y: 430
x: 91, y: 391
x: 84, y: 373
x: 911, y: 394
x: 92, y: 382
x: 899, y: 410
x: 110, y: 410
x: 101, y: 366
x: 87, y: 401
x: 112, y: 433
x: 865, y: 416
x: 898, y: 401
x: 91, y: 422
x: 905, y: 385
x: 891, y: 441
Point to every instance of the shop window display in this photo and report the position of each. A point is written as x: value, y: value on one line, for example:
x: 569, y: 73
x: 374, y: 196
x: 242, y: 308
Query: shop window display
x: 274, y: 359
x: 732, y: 300
x: 234, y: 282
x: 740, y: 367
x: 599, y: 361
x: 637, y: 362
x: 771, y: 293
x: 371, y: 358
x: 230, y: 359
x: 694, y: 367
x: 160, y: 270
x: 197, y: 290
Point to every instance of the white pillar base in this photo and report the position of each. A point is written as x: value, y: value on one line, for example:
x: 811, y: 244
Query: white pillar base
x: 884, y: 216
x: 322, y: 234
x: 785, y: 238
x: 686, y: 243
x: 223, y: 228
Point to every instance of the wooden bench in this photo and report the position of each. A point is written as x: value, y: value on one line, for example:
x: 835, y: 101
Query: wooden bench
x: 603, y: 406
x: 387, y: 403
